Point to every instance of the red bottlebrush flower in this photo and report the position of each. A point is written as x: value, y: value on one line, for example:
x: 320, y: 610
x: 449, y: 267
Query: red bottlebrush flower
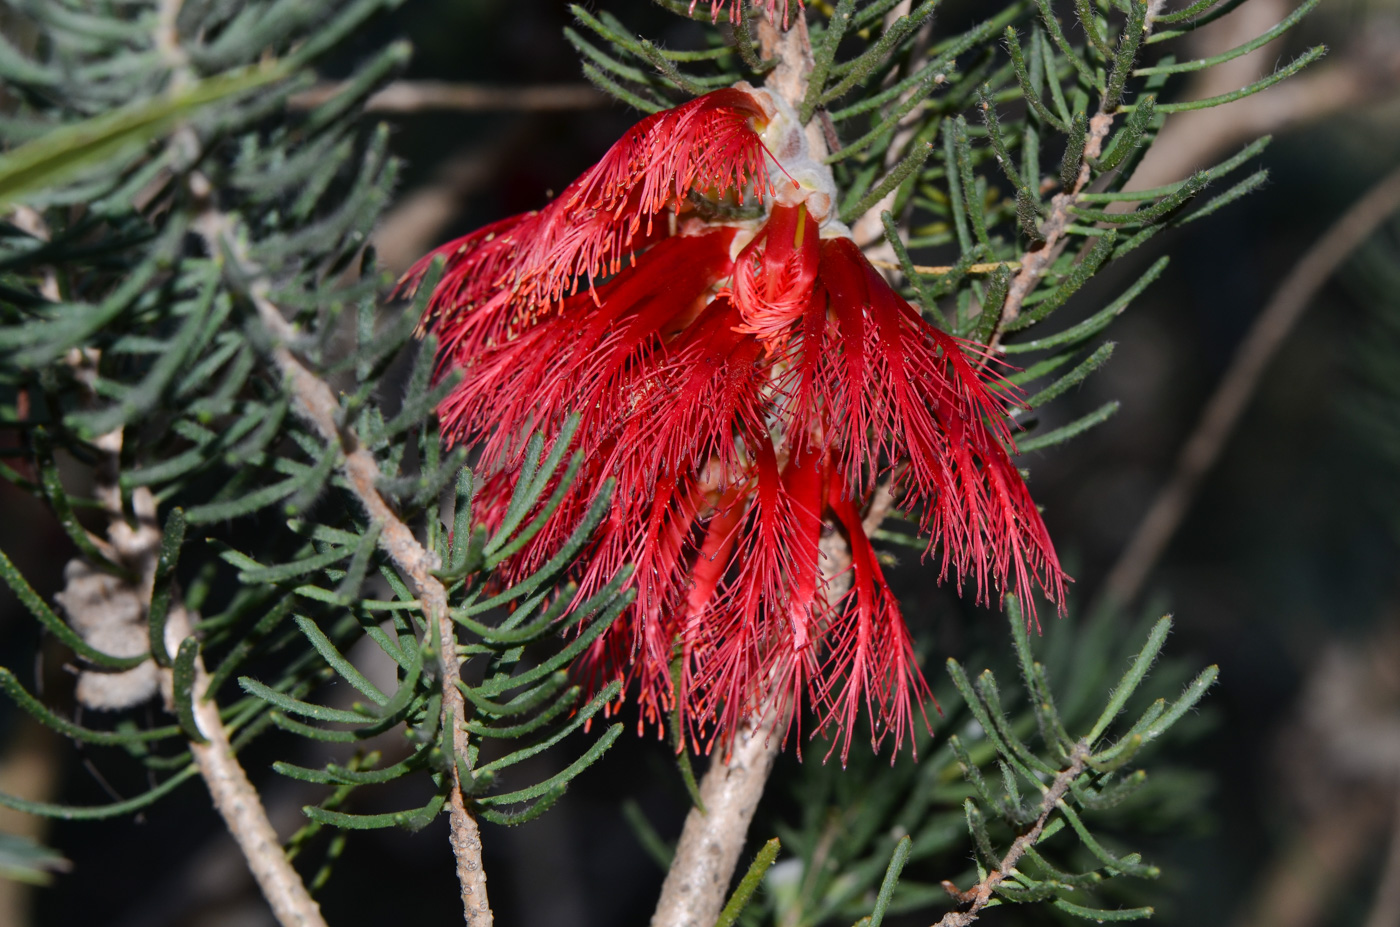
x: 747, y: 383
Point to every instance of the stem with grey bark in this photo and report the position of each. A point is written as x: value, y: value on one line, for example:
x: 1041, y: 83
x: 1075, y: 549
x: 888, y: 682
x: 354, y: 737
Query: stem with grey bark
x: 238, y: 803
x: 417, y: 96
x: 712, y: 840
x: 316, y: 404
x: 981, y: 893
x: 234, y: 797
x: 1038, y: 260
x: 137, y: 546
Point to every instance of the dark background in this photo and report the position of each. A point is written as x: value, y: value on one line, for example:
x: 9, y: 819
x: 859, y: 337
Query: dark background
x: 1283, y: 570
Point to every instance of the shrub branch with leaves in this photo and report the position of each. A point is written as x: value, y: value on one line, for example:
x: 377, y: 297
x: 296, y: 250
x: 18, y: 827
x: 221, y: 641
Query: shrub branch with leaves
x: 195, y: 340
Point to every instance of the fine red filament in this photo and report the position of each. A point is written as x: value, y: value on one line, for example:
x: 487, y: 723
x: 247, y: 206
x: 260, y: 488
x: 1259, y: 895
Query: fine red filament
x: 747, y: 394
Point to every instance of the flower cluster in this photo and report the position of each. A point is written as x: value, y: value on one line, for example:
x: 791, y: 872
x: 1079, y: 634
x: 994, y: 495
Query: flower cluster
x: 747, y: 383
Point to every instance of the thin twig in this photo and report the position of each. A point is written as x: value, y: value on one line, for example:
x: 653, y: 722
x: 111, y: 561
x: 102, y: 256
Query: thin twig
x: 945, y: 269
x: 234, y: 797
x: 1037, y: 261
x: 981, y: 893
x: 868, y: 230
x: 137, y: 546
x: 417, y: 96
x: 316, y: 404
x: 1223, y: 411
x: 237, y: 802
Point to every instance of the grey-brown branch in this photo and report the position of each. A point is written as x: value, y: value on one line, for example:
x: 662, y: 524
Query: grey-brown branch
x: 712, y: 840
x: 981, y: 893
x: 315, y: 403
x: 137, y: 546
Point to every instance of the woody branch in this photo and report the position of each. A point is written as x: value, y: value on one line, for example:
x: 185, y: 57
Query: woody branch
x: 416, y: 96
x: 315, y: 402
x: 317, y: 406
x: 1038, y: 260
x: 135, y: 544
x: 138, y: 548
x: 1228, y: 403
x: 981, y: 893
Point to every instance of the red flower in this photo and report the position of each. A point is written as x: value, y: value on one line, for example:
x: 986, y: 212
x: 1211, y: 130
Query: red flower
x: 736, y: 8
x: 747, y: 383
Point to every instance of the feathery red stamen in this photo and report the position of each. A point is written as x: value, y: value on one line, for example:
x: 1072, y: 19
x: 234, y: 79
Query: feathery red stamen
x: 736, y: 8
x: 747, y: 386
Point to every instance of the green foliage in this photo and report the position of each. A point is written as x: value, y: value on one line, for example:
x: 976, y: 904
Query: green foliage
x: 749, y: 883
x: 23, y: 860
x: 186, y: 217
x: 57, y: 155
x: 889, y: 89
x: 185, y: 236
x: 861, y: 828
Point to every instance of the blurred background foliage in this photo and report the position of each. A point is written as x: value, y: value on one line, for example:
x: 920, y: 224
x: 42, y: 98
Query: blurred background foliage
x: 1283, y: 571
